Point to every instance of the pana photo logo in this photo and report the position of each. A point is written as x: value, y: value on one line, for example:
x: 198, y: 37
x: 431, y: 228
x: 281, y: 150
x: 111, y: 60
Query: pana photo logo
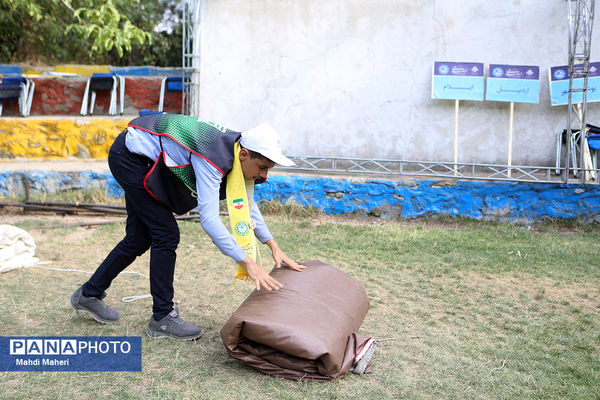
x: 67, y: 347
x: 93, y: 353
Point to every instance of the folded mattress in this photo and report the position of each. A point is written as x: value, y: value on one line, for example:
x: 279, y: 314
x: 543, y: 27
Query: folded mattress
x: 304, y: 331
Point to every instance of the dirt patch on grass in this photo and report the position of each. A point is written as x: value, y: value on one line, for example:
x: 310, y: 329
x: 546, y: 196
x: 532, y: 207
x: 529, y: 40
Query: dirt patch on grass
x: 581, y: 295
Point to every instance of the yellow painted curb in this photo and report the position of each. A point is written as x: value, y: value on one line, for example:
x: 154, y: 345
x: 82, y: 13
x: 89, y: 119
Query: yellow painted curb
x: 58, y: 138
x: 86, y: 70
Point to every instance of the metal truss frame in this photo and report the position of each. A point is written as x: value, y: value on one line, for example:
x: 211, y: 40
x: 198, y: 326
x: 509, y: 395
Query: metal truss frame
x: 394, y: 168
x: 580, y: 16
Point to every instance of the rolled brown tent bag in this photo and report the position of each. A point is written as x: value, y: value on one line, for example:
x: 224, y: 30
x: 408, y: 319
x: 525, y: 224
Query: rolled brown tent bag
x: 307, y: 329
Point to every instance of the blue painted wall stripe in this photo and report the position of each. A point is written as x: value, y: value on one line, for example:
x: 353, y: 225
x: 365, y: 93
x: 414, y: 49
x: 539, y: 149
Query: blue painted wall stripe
x: 386, y: 198
x: 10, y: 69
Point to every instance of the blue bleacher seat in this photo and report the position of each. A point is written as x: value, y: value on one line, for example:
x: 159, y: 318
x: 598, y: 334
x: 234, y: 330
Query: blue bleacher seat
x: 20, y: 89
x: 171, y: 84
x: 103, y: 81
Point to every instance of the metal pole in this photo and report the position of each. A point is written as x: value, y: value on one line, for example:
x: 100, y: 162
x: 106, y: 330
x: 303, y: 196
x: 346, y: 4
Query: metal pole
x: 184, y: 46
x: 195, y: 98
x: 456, y: 106
x: 191, y: 56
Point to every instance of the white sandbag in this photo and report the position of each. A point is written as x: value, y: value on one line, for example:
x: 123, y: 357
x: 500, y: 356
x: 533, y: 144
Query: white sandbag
x: 17, y: 248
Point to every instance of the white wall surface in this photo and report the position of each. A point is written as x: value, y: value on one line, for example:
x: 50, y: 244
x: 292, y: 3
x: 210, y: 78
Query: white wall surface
x: 352, y: 78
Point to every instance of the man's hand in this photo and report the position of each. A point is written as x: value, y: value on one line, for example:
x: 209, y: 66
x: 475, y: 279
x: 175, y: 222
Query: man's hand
x: 259, y: 276
x: 280, y: 257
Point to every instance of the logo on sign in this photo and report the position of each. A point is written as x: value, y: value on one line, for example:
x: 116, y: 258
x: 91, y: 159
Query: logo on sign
x: 560, y: 74
x: 497, y: 72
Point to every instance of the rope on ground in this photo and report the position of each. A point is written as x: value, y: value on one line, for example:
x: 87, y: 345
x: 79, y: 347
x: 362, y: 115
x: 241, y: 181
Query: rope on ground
x: 127, y: 299
x: 497, y: 368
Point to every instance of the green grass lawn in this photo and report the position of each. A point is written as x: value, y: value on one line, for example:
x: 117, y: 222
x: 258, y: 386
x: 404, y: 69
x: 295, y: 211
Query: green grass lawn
x: 462, y: 310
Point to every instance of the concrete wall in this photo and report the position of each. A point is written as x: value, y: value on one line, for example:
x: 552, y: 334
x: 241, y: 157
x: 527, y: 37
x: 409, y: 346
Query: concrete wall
x: 353, y: 77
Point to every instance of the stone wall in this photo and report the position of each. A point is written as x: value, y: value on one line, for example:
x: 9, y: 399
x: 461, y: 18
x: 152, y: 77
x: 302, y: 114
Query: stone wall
x: 502, y: 201
x: 410, y: 199
x: 62, y: 96
x: 81, y: 137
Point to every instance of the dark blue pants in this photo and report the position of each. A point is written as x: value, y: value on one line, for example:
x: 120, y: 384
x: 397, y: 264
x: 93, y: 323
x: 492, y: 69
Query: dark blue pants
x: 150, y: 225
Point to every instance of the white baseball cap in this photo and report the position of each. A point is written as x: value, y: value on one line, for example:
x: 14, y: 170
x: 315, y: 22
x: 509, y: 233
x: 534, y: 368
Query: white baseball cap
x: 264, y: 140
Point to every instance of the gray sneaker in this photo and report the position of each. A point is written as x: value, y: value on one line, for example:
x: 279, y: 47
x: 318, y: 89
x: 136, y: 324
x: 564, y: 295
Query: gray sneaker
x: 94, y: 306
x: 174, y: 327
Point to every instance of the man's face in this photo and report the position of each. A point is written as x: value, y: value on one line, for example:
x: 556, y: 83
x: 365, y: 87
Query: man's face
x: 254, y: 168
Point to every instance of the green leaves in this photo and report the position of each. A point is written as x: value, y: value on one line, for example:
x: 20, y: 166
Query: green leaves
x: 77, y: 30
x: 107, y: 28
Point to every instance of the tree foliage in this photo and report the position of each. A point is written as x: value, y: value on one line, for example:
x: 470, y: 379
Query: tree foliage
x: 116, y: 32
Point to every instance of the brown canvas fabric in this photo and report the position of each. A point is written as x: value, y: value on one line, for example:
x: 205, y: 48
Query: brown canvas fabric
x: 304, y: 331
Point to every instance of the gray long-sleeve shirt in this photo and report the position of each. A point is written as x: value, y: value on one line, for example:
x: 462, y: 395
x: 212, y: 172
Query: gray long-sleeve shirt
x: 208, y: 181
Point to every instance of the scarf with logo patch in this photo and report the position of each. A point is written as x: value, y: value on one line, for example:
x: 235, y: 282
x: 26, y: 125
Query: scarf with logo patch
x: 239, y: 193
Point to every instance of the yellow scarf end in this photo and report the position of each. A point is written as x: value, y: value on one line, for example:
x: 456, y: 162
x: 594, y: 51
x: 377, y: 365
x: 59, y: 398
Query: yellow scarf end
x: 242, y: 276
